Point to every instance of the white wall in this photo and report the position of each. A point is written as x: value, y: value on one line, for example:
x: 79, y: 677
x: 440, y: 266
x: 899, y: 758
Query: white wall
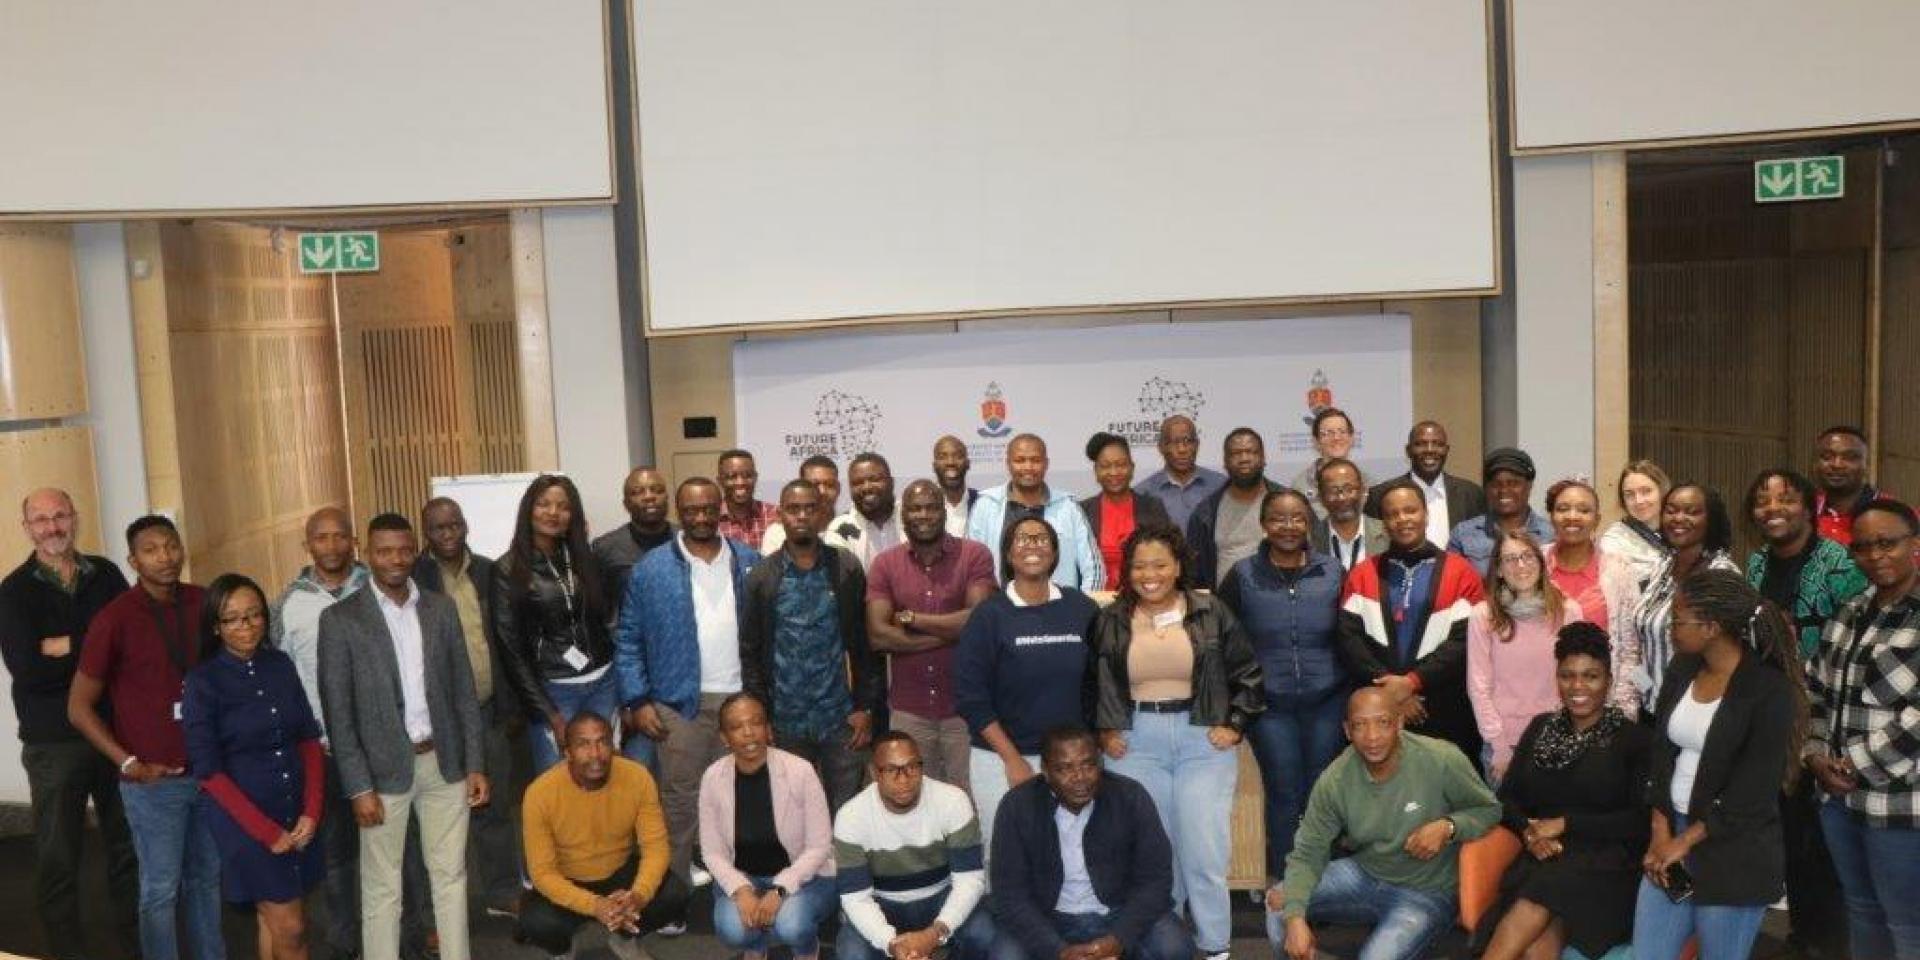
x: 1553, y: 329
x: 589, y: 370
x: 113, y: 387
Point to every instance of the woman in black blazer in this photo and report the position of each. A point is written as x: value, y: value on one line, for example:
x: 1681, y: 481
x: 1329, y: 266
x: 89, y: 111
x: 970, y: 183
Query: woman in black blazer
x: 1729, y: 722
x: 1113, y: 468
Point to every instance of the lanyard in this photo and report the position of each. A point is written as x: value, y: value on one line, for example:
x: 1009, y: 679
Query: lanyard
x: 175, y: 639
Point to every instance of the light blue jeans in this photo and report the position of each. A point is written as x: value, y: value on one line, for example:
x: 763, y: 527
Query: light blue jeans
x: 1879, y: 870
x: 1192, y: 786
x: 796, y: 925
x: 1661, y: 927
x: 1405, y: 921
x: 599, y: 695
x: 987, y: 781
x: 178, y: 866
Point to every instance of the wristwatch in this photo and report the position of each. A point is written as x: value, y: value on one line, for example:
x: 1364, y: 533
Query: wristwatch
x: 945, y: 934
x: 906, y: 618
x: 784, y: 892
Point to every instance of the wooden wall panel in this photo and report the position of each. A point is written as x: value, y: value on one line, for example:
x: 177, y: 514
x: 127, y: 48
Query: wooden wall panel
x: 1900, y: 325
x: 255, y: 395
x: 51, y: 457
x: 1748, y: 322
x: 42, y: 371
x: 483, y: 309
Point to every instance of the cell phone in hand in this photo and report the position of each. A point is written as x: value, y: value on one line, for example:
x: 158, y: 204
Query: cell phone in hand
x: 1679, y: 882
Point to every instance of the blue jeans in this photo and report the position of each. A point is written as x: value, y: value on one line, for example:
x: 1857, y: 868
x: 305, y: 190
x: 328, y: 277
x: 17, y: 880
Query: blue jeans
x: 1879, y: 869
x: 973, y: 941
x: 1661, y: 927
x: 1293, y: 741
x: 1192, y: 786
x: 1165, y: 940
x: 796, y: 925
x: 600, y: 696
x: 178, y: 864
x: 1405, y: 920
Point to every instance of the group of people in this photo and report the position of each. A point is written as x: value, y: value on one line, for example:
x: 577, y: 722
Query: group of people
x: 1002, y: 722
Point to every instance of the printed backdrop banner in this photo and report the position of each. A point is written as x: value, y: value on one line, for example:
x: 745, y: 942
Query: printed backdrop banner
x: 840, y: 395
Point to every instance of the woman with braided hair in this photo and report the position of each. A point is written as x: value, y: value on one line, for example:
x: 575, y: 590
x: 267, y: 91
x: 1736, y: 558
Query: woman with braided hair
x: 1728, y: 725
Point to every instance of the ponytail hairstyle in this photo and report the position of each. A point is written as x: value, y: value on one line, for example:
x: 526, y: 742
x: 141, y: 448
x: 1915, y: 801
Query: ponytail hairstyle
x: 1724, y: 598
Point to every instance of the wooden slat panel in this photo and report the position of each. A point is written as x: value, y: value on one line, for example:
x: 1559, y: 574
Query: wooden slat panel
x: 42, y: 373
x: 53, y: 457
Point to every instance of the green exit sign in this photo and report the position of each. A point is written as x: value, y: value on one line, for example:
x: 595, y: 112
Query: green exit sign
x: 345, y: 251
x: 1799, y: 178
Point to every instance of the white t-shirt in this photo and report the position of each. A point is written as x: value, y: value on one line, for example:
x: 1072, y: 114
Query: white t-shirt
x: 1687, y: 728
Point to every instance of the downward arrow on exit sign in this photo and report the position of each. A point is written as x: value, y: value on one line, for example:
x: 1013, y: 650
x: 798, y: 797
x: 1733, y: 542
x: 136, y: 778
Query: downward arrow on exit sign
x: 1799, y: 178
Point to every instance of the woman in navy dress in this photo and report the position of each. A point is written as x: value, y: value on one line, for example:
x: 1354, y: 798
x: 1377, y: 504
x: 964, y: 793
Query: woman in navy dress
x: 254, y: 745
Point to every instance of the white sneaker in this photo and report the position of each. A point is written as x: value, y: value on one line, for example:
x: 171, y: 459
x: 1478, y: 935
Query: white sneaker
x: 673, y: 929
x: 1222, y: 955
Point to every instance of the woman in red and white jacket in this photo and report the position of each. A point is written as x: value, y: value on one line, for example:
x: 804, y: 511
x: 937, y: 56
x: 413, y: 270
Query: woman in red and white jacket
x: 1403, y: 623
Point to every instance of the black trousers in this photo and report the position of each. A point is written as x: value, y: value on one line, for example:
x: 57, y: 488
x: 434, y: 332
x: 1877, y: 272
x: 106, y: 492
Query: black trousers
x: 550, y: 927
x: 61, y: 778
x: 1816, y: 914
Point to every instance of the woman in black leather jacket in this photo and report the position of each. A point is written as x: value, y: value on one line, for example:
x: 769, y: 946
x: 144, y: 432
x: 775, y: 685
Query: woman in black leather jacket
x: 550, y: 617
x: 1176, y: 685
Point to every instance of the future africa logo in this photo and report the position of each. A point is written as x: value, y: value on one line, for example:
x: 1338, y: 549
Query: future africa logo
x: 993, y: 413
x: 846, y: 423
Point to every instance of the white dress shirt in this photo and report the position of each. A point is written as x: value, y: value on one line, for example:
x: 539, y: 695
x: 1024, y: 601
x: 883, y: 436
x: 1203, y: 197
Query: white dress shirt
x: 1438, y: 521
x: 872, y: 537
x: 716, y: 619
x: 956, y: 515
x: 409, y: 647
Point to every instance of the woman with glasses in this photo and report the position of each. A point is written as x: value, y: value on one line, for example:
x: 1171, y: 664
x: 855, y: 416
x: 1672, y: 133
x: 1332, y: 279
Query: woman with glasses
x: 1864, y: 743
x: 1333, y: 436
x: 254, y: 745
x: 1116, y: 511
x: 1019, y: 668
x: 1510, y: 639
x: 1177, y: 686
x: 1287, y: 597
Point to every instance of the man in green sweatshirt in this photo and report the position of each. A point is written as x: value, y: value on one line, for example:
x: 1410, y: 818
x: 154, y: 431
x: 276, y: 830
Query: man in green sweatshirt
x: 1403, y: 802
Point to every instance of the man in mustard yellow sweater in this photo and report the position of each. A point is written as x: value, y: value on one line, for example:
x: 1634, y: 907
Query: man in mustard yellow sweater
x: 596, y: 848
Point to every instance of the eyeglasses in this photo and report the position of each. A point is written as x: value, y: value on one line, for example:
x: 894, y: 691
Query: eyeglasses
x: 901, y: 769
x: 1519, y: 560
x: 1868, y: 548
x: 251, y: 618
x: 1031, y: 540
x: 1343, y: 490
x: 1335, y: 433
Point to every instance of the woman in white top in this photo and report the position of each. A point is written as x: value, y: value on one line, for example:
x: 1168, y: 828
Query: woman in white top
x: 1729, y: 725
x: 1634, y: 540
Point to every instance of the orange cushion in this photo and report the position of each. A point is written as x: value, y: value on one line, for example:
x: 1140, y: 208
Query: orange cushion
x: 1482, y: 862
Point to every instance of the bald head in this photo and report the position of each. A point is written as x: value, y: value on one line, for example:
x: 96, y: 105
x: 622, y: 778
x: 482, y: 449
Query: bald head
x: 330, y: 543
x: 1367, y: 700
x: 329, y: 518
x: 51, y: 522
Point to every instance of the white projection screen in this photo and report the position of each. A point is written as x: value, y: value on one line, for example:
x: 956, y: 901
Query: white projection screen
x: 216, y: 105
x: 1588, y: 74
x: 804, y: 163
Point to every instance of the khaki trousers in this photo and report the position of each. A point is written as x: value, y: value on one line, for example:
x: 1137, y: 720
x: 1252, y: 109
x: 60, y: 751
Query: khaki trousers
x: 442, y: 807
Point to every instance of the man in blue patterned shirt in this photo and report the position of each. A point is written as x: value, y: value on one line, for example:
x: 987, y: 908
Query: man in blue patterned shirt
x: 804, y: 650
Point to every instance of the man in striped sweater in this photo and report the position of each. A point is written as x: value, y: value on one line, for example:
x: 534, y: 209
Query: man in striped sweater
x: 911, y: 867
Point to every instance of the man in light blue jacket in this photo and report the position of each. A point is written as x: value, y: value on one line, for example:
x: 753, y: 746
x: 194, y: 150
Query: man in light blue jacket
x: 1025, y: 494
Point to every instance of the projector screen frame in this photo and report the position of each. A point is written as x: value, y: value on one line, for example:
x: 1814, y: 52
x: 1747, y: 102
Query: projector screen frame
x: 611, y: 198
x: 1497, y: 251
x: 1668, y: 143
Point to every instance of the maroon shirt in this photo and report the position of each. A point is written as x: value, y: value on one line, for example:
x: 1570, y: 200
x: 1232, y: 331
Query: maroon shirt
x: 141, y: 651
x: 922, y: 683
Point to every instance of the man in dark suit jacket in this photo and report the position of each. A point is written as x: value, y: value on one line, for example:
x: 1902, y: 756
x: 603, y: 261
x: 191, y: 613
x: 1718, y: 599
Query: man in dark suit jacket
x: 1460, y: 499
x: 448, y: 566
x: 406, y: 732
x: 1054, y: 846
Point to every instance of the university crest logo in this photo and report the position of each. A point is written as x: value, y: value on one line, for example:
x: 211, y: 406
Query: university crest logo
x: 993, y: 413
x: 1319, y: 396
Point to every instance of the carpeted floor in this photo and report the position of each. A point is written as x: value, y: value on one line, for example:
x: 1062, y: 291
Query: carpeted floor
x: 20, y: 931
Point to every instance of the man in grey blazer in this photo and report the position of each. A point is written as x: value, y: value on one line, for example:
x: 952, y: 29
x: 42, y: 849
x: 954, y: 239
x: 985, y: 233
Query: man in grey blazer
x: 407, y: 733
x: 1346, y: 533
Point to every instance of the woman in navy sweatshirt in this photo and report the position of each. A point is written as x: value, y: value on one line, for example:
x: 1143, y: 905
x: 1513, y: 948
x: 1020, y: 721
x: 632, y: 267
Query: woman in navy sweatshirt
x: 1288, y: 600
x: 1020, y: 667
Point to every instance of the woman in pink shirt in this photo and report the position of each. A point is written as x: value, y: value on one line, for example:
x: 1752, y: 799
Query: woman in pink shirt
x: 1510, y: 666
x: 1575, y: 561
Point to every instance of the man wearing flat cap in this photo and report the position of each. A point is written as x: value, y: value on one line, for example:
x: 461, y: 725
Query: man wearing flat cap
x: 1508, y: 476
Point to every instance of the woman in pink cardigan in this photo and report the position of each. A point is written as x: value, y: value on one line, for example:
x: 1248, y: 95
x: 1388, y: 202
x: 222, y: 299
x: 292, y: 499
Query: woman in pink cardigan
x: 766, y: 837
x: 1510, y: 665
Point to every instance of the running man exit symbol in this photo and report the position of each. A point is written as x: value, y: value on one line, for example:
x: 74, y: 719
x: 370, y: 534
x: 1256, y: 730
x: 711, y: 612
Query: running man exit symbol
x: 1799, y: 178
x: 354, y: 251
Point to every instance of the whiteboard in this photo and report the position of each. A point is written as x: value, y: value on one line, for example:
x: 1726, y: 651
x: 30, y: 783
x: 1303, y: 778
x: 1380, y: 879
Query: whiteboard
x: 491, y: 504
x: 808, y: 162
x: 1632, y: 71
x: 200, y: 105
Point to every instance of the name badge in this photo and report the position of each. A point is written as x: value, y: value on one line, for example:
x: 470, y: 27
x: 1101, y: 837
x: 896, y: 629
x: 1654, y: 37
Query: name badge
x: 54, y: 647
x: 1161, y: 621
x: 176, y: 711
x: 575, y: 658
